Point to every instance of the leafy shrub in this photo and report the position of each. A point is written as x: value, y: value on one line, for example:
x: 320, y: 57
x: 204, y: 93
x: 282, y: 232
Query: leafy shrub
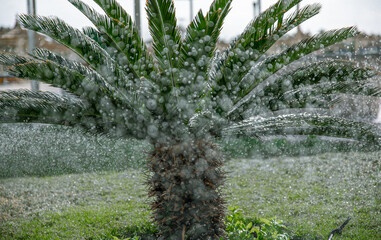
x: 134, y: 238
x: 240, y: 228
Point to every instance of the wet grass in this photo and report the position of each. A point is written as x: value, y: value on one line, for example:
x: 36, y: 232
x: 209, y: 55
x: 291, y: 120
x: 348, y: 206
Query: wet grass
x: 312, y: 195
x: 45, y: 150
x: 77, y: 206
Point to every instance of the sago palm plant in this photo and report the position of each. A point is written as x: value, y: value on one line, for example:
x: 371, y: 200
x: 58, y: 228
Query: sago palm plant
x: 187, y: 93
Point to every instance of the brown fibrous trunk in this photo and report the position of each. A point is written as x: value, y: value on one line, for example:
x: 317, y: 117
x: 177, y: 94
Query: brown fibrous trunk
x: 184, y: 184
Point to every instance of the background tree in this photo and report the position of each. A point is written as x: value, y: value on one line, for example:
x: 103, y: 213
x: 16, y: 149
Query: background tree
x: 186, y: 93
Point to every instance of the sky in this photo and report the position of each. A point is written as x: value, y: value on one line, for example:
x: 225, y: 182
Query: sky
x: 365, y: 14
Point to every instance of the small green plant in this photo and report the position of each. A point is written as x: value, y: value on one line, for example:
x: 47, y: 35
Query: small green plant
x: 134, y: 238
x: 240, y: 228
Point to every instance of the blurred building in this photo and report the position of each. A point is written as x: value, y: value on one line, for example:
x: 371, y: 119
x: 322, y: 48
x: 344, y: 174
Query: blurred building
x: 15, y: 40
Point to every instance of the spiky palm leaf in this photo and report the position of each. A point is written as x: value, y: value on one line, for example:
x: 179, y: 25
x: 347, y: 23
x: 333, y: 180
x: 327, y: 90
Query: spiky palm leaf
x: 130, y: 48
x: 307, y: 124
x: 203, y: 32
x: 260, y: 35
x: 132, y: 42
x: 165, y: 33
x: 188, y: 91
x: 319, y: 81
x: 274, y: 63
x: 42, y: 107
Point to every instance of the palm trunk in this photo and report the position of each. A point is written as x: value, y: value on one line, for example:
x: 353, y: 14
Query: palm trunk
x: 184, y: 184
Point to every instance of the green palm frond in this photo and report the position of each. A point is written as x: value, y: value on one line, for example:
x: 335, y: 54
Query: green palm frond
x: 218, y: 11
x: 45, y: 54
x: 371, y: 89
x: 88, y: 11
x: 92, y: 77
x: 72, y: 76
x: 50, y: 73
x: 323, y: 95
x: 260, y: 35
x: 101, y: 38
x: 50, y: 108
x: 298, y: 100
x: 109, y: 32
x: 203, y: 32
x: 329, y: 70
x: 313, y: 84
x: 258, y: 47
x: 57, y: 29
x: 274, y: 63
x: 271, y: 25
x: 326, y: 77
x: 114, y: 10
x: 129, y: 35
x: 12, y: 59
x: 264, y: 26
x: 303, y: 98
x: 165, y: 34
x: 123, y: 41
x: 84, y: 46
x: 294, y: 20
x: 307, y: 124
x: 237, y: 89
x: 90, y: 87
x: 269, y: 105
x: 319, y: 96
x: 199, y: 46
x: 45, y: 107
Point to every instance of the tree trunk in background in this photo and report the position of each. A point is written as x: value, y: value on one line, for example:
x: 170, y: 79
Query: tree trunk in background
x: 184, y: 185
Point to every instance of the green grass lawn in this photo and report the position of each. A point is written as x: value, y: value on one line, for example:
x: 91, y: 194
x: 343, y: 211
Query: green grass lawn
x: 82, y: 196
